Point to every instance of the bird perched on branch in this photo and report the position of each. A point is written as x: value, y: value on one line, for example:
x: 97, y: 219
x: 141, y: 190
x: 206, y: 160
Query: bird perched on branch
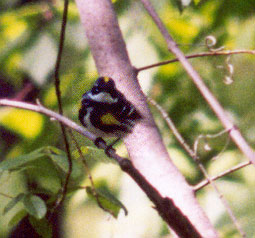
x: 106, y: 112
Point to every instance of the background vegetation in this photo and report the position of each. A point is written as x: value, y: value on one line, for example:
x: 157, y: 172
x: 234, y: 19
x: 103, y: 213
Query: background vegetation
x: 29, y: 35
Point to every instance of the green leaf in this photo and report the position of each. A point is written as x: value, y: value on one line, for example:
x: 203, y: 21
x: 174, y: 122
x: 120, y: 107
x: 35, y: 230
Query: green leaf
x: 42, y: 226
x: 104, y: 192
x: 20, y: 161
x: 106, y: 200
x: 35, y: 206
x: 59, y: 158
x: 92, y: 153
x: 17, y: 217
x: 13, y: 202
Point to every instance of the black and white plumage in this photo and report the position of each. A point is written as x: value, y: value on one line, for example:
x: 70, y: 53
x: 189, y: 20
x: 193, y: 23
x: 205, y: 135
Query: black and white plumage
x: 106, y: 112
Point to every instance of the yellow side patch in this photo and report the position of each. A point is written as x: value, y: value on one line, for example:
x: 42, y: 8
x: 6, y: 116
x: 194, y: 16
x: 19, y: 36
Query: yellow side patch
x: 106, y: 79
x: 109, y: 119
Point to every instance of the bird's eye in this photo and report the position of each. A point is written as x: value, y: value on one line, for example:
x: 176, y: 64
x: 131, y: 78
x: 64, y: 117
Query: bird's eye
x: 95, y: 90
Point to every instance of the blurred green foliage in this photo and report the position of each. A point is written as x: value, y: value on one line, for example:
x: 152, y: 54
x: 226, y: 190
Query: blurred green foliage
x: 32, y: 165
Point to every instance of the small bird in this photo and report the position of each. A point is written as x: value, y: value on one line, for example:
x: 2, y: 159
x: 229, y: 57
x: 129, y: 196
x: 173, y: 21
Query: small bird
x: 106, y: 112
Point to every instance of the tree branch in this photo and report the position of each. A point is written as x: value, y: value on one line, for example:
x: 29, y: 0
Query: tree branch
x: 201, y: 54
x: 209, y: 97
x: 229, y: 171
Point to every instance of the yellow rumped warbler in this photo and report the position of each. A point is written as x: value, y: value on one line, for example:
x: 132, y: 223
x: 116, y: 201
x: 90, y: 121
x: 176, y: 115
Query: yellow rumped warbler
x: 106, y: 112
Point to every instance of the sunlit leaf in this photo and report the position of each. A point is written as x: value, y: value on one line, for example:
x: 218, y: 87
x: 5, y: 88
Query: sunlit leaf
x: 182, y: 29
x: 106, y: 200
x: 13, y: 25
x: 13, y: 64
x: 23, y: 122
x: 197, y: 1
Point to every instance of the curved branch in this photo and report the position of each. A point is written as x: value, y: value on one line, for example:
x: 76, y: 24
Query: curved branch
x: 51, y: 114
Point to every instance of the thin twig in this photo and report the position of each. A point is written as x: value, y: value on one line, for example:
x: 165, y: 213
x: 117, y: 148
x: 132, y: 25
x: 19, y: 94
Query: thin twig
x: 202, y: 184
x: 49, y: 113
x: 174, y: 129
x: 200, y: 137
x: 58, y: 93
x: 195, y: 157
x: 6, y: 195
x: 235, y: 134
x: 83, y: 159
x: 85, y: 164
x: 202, y: 54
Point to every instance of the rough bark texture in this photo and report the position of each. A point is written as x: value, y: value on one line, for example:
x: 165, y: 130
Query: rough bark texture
x: 145, y: 146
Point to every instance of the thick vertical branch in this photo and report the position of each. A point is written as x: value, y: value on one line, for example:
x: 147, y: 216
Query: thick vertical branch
x: 145, y: 146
